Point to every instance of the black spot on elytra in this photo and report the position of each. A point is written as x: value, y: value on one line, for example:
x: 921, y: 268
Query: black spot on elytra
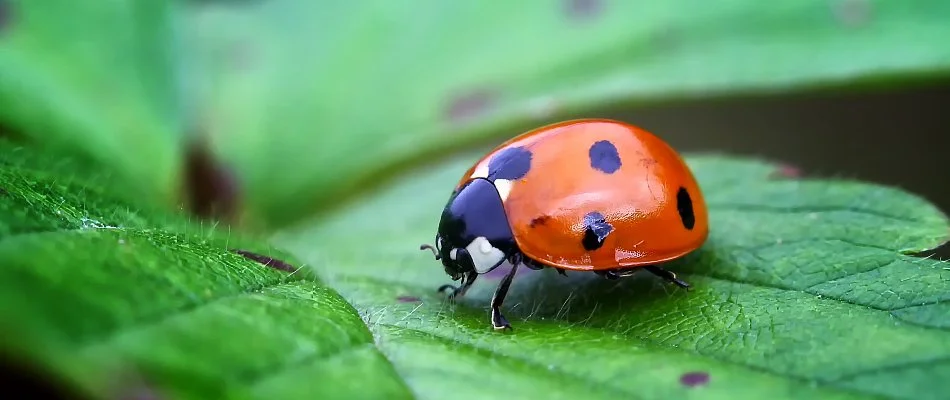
x: 684, y: 204
x: 692, y: 379
x: 596, y: 230
x: 267, y: 261
x: 539, y: 221
x: 604, y: 157
x: 511, y: 164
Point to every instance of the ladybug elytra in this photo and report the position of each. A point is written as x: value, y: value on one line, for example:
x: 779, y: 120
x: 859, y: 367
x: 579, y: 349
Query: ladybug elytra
x: 592, y: 195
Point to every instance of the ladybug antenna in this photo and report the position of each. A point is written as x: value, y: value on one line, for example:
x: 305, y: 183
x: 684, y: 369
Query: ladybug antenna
x: 429, y: 247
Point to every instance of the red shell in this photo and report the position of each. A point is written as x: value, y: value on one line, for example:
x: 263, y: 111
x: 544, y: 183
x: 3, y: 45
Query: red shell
x: 641, y: 199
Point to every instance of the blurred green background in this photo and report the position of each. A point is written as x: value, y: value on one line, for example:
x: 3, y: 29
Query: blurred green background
x: 273, y: 111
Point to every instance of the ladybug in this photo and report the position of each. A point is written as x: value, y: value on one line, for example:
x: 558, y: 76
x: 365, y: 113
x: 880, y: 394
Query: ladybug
x: 593, y: 195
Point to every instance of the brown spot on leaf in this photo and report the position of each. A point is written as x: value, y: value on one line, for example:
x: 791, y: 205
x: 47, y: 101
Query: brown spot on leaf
x: 786, y: 171
x: 539, y: 221
x: 408, y: 299
x: 693, y: 379
x: 267, y: 261
x: 210, y: 187
x: 5, y: 15
x: 469, y: 105
x: 852, y: 13
x: 584, y: 9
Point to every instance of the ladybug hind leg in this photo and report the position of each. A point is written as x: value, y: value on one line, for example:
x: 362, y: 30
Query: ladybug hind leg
x: 653, y: 269
x: 667, y: 275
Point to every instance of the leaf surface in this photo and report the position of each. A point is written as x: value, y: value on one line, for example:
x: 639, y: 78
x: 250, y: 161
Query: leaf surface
x: 805, y: 288
x: 122, y: 301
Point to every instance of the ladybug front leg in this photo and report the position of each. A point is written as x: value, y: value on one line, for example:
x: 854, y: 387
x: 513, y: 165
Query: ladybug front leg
x: 467, y: 280
x: 499, y: 321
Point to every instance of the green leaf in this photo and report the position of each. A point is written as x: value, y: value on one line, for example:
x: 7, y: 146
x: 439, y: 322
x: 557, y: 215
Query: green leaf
x: 805, y: 289
x: 99, y: 78
x: 116, y: 300
x: 316, y: 101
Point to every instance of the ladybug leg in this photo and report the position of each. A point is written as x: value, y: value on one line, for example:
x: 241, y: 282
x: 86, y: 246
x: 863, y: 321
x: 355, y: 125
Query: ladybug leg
x: 669, y: 276
x: 498, y: 321
x: 607, y: 274
x: 614, y: 274
x: 527, y: 262
x: 467, y: 281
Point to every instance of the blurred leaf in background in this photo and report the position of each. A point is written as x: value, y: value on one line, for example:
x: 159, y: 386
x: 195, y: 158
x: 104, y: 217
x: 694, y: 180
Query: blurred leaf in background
x: 304, y: 104
x: 99, y: 78
x: 315, y: 101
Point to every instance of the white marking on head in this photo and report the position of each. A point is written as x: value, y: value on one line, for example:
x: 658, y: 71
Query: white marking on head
x: 485, y: 246
x: 504, y: 188
x: 454, y: 254
x: 481, y: 171
x: 484, y: 255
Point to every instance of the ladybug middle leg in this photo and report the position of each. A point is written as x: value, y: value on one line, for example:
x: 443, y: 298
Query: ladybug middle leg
x: 532, y: 264
x: 655, y: 270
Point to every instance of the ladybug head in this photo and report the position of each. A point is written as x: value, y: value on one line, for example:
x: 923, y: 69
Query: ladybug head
x: 474, y: 234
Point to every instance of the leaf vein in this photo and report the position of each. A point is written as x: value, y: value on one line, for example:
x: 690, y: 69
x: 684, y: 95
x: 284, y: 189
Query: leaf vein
x: 928, y: 362
x: 191, y: 307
